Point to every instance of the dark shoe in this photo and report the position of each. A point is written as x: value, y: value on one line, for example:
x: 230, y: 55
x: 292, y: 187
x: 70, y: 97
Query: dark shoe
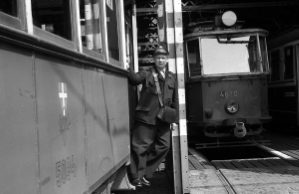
x: 145, y: 182
x: 137, y: 182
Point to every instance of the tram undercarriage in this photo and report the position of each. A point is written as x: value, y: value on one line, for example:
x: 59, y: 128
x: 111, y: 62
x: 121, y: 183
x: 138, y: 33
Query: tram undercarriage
x: 227, y: 136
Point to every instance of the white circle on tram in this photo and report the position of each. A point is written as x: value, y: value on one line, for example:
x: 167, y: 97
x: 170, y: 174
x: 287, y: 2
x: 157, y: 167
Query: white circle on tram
x: 229, y: 18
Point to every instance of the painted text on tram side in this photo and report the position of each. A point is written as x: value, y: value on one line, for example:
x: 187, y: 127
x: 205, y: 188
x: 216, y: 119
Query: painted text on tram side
x: 65, y: 170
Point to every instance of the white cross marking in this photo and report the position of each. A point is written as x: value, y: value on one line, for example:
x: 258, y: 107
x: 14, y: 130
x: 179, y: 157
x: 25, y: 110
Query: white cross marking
x: 63, y: 96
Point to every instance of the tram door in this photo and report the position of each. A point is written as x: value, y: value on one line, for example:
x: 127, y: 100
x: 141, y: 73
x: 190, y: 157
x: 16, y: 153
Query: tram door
x: 130, y: 64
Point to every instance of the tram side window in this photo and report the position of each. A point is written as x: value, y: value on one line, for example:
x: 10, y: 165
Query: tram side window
x: 9, y: 7
x: 288, y: 62
x: 193, y: 55
x: 53, y: 16
x: 264, y: 53
x: 129, y: 42
x: 252, y: 50
x: 274, y: 64
x: 112, y: 30
x: 91, y: 32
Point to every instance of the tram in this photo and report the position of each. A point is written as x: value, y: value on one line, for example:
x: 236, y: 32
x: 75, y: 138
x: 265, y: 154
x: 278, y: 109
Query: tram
x: 283, y: 82
x: 226, y: 79
x: 64, y: 95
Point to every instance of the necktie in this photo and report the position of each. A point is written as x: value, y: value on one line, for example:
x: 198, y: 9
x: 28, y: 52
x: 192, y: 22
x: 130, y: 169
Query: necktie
x: 162, y: 73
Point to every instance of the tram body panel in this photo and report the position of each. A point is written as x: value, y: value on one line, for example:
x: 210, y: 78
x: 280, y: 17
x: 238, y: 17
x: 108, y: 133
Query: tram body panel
x: 60, y: 111
x: 107, y: 124
x: 282, y: 101
x: 195, y: 109
x: 99, y: 161
x: 116, y: 94
x: 245, y: 92
x: 64, y: 96
x: 18, y: 140
x: 215, y: 94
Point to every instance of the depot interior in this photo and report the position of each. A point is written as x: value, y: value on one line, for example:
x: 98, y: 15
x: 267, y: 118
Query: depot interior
x: 278, y: 17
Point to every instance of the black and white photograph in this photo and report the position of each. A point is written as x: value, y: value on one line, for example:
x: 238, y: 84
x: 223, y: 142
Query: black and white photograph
x: 149, y: 97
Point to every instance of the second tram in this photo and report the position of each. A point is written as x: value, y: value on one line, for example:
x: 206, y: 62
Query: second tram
x: 283, y: 84
x: 226, y: 81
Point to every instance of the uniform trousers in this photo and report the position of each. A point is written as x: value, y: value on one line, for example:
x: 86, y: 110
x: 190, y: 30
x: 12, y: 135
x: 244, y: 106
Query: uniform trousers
x: 150, y: 145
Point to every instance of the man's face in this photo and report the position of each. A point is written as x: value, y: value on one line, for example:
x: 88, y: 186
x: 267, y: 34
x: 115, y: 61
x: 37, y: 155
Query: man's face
x: 161, y: 61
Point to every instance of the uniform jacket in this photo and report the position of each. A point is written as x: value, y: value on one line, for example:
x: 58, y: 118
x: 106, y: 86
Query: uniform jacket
x: 148, y: 105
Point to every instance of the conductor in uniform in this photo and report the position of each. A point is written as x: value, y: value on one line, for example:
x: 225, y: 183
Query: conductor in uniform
x: 156, y: 114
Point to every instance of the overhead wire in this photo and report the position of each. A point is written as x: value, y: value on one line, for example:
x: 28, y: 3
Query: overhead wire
x: 202, y: 6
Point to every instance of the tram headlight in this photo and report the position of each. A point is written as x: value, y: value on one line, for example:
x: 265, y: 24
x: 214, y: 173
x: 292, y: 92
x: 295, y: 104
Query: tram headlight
x: 231, y: 107
x: 229, y: 18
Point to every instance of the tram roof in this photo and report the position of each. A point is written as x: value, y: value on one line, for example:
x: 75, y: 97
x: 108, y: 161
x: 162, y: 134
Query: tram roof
x: 226, y: 31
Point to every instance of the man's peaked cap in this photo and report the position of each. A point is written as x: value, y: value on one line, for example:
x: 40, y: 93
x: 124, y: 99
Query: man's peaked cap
x: 160, y: 51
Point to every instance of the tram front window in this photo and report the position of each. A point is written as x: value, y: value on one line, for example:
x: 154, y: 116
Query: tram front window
x: 194, y: 58
x: 264, y: 53
x: 234, y: 55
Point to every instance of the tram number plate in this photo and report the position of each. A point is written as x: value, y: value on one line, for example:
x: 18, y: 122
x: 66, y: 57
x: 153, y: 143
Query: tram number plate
x: 228, y: 94
x: 64, y: 169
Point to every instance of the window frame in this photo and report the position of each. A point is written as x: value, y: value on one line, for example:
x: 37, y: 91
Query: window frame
x: 121, y: 32
x: 278, y: 50
x: 283, y: 49
x: 58, y: 40
x: 260, y: 65
x: 187, y: 58
x: 24, y: 22
x: 18, y: 22
x: 85, y: 50
x: 229, y: 73
x: 282, y: 78
x: 266, y: 54
x: 119, y: 7
x: 129, y: 42
x: 258, y: 58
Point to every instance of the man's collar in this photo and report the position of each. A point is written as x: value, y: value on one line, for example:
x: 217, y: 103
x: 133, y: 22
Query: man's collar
x: 158, y: 70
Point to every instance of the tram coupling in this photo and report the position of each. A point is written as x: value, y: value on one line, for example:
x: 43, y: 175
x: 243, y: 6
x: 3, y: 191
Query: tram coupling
x: 240, y: 130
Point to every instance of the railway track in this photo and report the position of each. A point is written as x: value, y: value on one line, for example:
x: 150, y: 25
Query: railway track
x: 269, y: 172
